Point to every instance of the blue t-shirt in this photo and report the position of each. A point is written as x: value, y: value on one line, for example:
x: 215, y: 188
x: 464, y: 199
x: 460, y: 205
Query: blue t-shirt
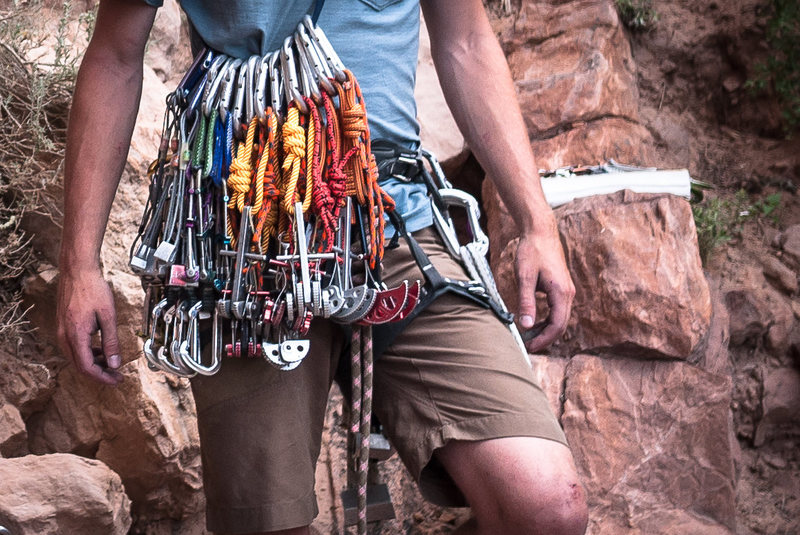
x: 377, y: 40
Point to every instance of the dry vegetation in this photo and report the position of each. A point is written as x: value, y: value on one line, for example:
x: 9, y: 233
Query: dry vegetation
x: 34, y: 103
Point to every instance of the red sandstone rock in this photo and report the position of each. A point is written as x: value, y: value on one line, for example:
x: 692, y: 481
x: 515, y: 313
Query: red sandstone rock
x: 571, y: 62
x: 60, y: 494
x: 549, y: 373
x: 780, y: 404
x: 790, y: 244
x: 749, y: 312
x: 639, y: 283
x: 712, y: 354
x: 25, y: 383
x: 651, y: 440
x: 784, y: 277
x: 576, y: 82
x: 144, y: 430
x: 13, y: 436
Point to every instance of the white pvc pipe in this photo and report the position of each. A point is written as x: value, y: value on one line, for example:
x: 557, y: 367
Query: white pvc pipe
x: 560, y: 190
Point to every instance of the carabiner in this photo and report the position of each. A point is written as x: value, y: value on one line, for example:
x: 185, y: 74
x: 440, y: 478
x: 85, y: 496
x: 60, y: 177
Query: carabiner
x: 189, y: 81
x: 308, y: 78
x: 290, y: 82
x: 239, y: 103
x: 150, y: 343
x: 215, y: 75
x: 275, y: 81
x: 321, y: 40
x: 226, y: 90
x: 253, y: 64
x: 320, y: 68
x: 261, y: 88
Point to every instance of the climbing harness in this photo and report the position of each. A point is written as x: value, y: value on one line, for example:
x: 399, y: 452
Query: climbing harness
x: 480, y: 288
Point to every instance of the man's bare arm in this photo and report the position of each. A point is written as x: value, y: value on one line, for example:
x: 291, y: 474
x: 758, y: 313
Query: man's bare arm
x: 102, y: 118
x: 480, y: 92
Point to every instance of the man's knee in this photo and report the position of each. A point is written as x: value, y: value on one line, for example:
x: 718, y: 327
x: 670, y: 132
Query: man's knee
x: 565, y: 512
x: 519, y: 485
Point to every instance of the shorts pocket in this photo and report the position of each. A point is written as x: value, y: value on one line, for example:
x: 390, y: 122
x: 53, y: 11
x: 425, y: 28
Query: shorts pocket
x: 379, y: 5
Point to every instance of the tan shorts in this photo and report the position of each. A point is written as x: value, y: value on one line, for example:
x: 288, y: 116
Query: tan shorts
x: 454, y: 373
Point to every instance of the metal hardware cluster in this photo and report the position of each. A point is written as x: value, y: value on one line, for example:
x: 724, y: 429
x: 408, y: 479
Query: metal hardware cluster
x: 245, y: 238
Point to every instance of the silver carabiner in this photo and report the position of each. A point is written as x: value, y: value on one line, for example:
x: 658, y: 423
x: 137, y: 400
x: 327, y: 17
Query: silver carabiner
x: 250, y: 91
x: 308, y: 78
x: 239, y: 102
x: 215, y: 75
x: 330, y: 55
x: 174, y: 349
x: 444, y: 224
x: 148, y: 349
x: 261, y: 88
x: 275, y: 89
x: 315, y: 57
x: 193, y: 357
x: 290, y: 82
x: 226, y: 90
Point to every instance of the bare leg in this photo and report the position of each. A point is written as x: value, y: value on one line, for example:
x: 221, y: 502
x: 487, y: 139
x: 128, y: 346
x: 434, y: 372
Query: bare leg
x: 517, y: 485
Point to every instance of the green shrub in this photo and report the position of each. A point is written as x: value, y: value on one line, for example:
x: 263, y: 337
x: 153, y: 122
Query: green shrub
x: 719, y: 220
x: 637, y: 15
x: 781, y: 71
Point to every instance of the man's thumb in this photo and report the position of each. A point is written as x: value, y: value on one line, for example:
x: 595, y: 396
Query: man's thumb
x: 108, y: 331
x: 527, y: 305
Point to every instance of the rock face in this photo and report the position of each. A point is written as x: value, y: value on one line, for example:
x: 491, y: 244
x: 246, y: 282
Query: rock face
x: 57, y: 494
x: 639, y: 282
x: 780, y: 404
x: 144, y: 430
x: 25, y: 383
x: 640, y: 287
x: 652, y: 442
x: 777, y: 271
x: 790, y: 244
x: 13, y: 435
x: 576, y: 82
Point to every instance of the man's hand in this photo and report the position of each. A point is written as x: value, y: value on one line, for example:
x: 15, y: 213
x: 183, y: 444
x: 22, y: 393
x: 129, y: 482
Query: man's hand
x: 85, y: 304
x: 541, y: 266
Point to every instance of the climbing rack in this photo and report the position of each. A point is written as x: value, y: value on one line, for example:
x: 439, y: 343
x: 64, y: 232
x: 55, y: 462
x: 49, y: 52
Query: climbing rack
x: 263, y: 198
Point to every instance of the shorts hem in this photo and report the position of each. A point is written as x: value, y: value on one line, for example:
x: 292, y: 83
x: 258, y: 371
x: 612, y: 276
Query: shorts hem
x: 275, y: 516
x: 436, y: 486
